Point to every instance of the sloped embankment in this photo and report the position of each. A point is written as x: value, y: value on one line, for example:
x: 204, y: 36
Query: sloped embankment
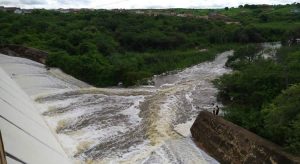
x: 26, y: 136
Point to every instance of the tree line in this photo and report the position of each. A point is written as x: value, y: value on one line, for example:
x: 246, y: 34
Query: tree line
x: 104, y: 47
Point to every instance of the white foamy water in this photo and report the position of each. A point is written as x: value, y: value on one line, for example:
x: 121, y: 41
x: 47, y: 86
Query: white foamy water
x: 118, y: 125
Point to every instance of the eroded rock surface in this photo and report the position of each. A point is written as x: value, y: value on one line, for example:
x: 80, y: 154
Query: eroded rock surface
x: 26, y: 52
x: 230, y: 143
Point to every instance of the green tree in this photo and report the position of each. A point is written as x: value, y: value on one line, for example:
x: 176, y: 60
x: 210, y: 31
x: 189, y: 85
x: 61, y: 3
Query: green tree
x: 282, y: 119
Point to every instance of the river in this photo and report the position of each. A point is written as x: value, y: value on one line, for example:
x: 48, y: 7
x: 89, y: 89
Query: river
x: 146, y: 124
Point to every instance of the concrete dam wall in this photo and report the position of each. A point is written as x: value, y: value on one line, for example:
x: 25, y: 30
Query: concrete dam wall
x: 26, y: 137
x: 230, y: 143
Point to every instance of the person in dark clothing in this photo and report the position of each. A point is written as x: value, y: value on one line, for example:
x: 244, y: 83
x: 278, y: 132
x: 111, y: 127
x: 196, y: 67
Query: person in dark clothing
x: 217, y: 111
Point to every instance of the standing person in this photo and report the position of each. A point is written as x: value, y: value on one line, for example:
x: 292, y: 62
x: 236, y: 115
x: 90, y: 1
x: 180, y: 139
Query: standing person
x: 214, y: 111
x: 217, y: 111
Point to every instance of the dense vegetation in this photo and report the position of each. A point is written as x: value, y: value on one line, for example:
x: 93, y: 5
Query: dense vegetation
x: 104, y: 47
x: 262, y: 94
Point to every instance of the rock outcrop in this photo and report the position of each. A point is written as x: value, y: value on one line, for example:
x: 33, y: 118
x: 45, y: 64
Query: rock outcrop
x: 230, y: 143
x: 25, y: 52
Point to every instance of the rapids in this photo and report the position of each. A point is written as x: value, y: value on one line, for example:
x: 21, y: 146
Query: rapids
x: 119, y: 125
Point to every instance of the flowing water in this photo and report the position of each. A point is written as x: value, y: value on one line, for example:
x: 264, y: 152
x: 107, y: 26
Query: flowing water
x: 135, y: 125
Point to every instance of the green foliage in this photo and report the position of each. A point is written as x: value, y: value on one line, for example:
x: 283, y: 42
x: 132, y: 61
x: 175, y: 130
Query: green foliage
x: 128, y: 47
x: 246, y: 117
x: 94, y: 69
x: 291, y: 36
x: 282, y: 119
x: 157, y: 44
x: 104, y: 48
x: 253, y: 85
x: 243, y: 56
x: 253, y: 94
x: 134, y: 68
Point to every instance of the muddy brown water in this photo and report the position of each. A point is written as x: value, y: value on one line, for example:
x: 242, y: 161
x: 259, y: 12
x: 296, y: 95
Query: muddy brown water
x: 146, y: 124
x: 137, y: 125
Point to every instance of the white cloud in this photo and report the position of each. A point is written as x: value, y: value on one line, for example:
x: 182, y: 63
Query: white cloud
x: 109, y: 4
x: 32, y: 2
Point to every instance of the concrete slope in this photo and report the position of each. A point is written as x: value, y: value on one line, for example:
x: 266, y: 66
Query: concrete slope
x: 34, y: 79
x: 26, y: 136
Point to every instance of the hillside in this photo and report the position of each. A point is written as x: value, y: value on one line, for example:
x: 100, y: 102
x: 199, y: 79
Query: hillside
x: 105, y: 47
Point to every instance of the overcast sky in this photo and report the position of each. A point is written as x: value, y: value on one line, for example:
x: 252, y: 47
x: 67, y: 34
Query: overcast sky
x: 130, y: 4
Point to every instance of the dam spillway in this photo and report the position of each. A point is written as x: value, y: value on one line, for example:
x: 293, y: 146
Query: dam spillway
x: 26, y: 136
x: 116, y: 125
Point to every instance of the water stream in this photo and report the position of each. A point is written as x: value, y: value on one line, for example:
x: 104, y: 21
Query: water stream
x: 134, y: 125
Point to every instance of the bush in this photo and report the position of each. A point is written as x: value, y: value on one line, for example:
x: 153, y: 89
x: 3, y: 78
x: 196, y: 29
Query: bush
x: 282, y: 119
x: 158, y: 44
x: 254, y: 99
x: 244, y: 55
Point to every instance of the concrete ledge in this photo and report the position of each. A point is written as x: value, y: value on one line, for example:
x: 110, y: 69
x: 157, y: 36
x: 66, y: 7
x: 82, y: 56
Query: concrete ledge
x: 229, y: 143
x: 25, y: 52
